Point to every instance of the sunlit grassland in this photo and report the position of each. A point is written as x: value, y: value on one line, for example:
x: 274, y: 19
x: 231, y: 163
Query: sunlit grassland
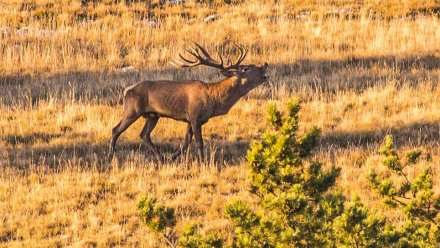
x: 360, y: 76
x: 50, y: 37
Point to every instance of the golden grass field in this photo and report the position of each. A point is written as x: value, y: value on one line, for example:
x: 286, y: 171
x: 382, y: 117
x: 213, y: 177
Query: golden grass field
x: 363, y: 69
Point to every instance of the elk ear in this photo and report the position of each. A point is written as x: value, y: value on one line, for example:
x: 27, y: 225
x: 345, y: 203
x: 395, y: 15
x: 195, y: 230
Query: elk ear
x: 229, y: 73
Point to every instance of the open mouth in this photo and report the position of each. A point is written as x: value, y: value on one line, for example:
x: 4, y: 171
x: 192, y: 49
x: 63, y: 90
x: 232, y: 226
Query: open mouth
x: 265, y: 77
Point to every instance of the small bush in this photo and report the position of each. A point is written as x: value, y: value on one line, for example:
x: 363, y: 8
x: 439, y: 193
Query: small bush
x: 414, y: 197
x: 297, y: 196
x: 162, y: 220
x: 158, y: 218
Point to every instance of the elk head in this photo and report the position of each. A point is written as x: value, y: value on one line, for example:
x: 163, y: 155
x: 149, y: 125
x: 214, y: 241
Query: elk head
x: 250, y: 76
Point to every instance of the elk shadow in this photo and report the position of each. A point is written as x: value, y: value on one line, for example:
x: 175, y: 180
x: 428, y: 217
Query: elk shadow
x: 328, y: 77
x: 301, y: 77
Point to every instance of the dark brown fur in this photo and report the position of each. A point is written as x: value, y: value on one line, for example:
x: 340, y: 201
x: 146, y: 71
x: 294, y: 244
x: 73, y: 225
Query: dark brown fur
x: 193, y: 102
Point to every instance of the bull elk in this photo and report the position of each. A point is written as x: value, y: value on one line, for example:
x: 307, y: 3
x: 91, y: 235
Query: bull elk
x: 193, y: 102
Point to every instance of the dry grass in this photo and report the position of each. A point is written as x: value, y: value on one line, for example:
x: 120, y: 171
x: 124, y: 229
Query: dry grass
x: 51, y: 37
x: 361, y: 75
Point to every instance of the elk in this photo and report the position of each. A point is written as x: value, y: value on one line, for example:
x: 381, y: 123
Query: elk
x: 193, y: 102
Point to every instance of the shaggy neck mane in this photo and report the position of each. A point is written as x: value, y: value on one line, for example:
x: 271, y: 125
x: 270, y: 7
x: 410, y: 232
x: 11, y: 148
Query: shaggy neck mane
x: 225, y: 93
x: 225, y: 89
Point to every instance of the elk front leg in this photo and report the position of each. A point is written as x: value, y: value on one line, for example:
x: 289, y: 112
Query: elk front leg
x: 188, y: 139
x: 146, y: 135
x: 197, y: 127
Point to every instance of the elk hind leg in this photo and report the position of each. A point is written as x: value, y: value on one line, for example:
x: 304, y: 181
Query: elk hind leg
x: 119, y: 129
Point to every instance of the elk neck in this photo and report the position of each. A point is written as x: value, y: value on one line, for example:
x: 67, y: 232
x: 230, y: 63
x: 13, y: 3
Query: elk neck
x: 225, y: 94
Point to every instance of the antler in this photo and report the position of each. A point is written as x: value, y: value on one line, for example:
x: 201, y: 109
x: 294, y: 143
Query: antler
x: 207, y: 60
x: 243, y: 53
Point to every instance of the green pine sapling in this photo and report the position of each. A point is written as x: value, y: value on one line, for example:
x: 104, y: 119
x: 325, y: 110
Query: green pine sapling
x: 295, y: 193
x: 415, y: 197
x: 162, y: 220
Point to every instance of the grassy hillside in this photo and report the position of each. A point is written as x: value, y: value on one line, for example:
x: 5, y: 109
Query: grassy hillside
x: 362, y: 68
x: 52, y: 36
